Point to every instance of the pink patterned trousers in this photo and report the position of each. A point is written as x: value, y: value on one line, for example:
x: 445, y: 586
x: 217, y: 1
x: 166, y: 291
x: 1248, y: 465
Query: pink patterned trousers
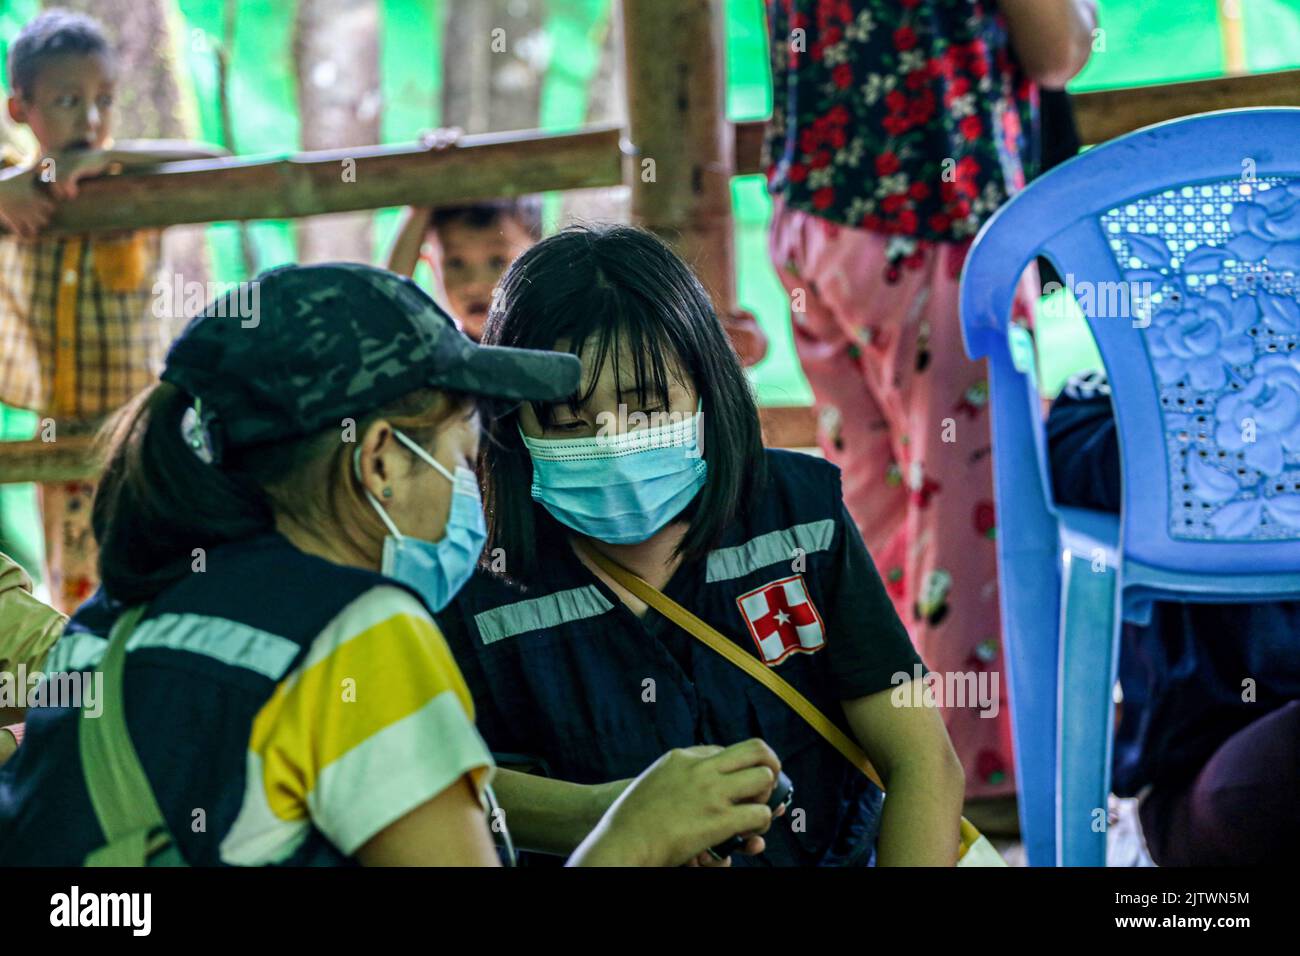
x: 903, y: 412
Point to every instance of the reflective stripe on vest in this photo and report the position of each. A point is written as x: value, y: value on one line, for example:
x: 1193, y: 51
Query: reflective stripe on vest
x: 775, y: 547
x: 539, y: 613
x: 236, y: 645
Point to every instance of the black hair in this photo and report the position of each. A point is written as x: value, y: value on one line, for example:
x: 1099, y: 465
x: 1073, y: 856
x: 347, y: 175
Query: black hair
x: 599, y: 289
x: 525, y: 210
x: 157, y: 501
x: 55, y: 32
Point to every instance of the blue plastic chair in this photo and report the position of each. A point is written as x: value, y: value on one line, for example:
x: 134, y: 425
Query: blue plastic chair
x: 1182, y: 244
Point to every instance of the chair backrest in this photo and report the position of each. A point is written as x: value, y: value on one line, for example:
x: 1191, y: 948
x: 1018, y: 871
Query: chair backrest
x: 1181, y: 242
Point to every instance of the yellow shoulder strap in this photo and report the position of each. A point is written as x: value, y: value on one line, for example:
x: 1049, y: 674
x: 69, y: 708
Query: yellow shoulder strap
x: 752, y: 666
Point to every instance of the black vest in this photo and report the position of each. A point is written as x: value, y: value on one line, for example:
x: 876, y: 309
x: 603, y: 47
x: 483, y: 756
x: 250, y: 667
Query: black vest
x: 561, y: 671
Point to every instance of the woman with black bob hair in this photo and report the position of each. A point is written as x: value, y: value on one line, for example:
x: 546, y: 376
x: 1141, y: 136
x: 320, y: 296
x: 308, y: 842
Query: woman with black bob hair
x: 279, y: 519
x: 655, y: 463
x: 672, y: 350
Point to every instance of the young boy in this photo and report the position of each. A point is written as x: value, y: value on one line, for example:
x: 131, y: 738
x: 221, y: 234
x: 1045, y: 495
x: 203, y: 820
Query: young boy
x: 469, y: 248
x: 77, y: 333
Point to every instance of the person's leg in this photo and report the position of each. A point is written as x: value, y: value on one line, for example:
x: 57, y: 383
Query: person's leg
x: 852, y: 431
x: 70, y: 551
x: 954, y: 561
x: 935, y: 398
x: 1240, y: 809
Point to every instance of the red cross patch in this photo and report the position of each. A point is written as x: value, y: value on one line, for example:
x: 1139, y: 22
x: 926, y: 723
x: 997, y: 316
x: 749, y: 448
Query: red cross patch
x: 782, y: 620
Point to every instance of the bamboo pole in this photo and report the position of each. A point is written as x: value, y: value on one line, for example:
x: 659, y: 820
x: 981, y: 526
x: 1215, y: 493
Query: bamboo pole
x: 679, y: 144
x: 214, y: 190
x: 72, y: 457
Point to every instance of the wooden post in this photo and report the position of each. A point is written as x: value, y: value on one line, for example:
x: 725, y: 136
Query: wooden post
x: 679, y: 152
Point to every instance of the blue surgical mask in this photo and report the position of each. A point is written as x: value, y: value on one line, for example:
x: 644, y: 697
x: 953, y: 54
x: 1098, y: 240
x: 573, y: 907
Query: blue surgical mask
x: 436, y: 569
x: 620, y: 489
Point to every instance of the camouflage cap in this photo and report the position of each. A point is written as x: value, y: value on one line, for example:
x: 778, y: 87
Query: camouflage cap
x: 302, y: 347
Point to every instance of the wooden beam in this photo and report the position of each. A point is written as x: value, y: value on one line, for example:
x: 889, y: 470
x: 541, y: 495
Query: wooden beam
x: 341, y: 180
x: 508, y: 164
x: 789, y: 426
x: 749, y: 147
x: 1105, y: 114
x: 73, y: 456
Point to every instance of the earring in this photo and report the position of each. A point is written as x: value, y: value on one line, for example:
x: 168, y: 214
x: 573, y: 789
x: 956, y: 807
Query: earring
x: 388, y: 492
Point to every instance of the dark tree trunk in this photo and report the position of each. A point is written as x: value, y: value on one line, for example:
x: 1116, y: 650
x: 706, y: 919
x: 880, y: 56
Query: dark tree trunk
x: 336, y: 55
x: 606, y: 103
x: 494, y: 62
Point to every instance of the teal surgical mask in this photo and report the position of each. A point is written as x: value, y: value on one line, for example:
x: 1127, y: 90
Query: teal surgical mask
x: 620, y: 489
x: 435, y: 569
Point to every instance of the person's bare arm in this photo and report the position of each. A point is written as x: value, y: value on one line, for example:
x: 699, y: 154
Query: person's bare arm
x: 1052, y: 38
x: 72, y: 167
x: 921, y: 822
x: 405, y: 254
x: 552, y: 816
x: 24, y: 209
x: 8, y: 745
x: 28, y: 628
x: 448, y: 830
x: 685, y: 801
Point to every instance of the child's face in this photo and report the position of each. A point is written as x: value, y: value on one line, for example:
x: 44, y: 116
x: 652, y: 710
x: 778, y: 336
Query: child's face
x: 471, y: 260
x: 70, y: 105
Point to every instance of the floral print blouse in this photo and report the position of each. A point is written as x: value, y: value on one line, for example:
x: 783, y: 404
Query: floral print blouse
x: 906, y: 117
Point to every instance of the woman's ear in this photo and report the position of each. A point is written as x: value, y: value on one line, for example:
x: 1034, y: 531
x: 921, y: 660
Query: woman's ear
x: 374, y: 462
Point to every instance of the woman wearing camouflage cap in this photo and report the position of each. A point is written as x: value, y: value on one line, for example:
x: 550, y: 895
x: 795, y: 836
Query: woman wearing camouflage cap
x: 278, y: 520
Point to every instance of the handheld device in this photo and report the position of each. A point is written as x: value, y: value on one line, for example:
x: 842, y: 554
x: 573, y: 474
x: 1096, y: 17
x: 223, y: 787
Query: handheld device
x: 782, y: 795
